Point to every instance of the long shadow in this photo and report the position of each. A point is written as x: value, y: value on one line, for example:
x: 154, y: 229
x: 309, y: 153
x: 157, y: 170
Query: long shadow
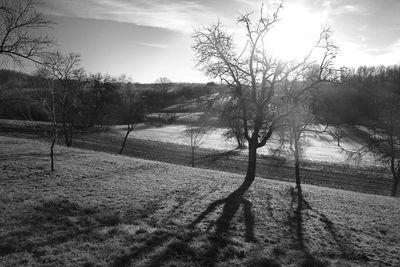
x: 219, y: 238
x: 296, y: 220
x: 176, y: 243
x: 231, y: 206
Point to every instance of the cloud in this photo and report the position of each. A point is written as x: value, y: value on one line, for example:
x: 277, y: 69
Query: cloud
x: 177, y: 15
x: 152, y: 45
x: 355, y: 54
x: 366, y: 30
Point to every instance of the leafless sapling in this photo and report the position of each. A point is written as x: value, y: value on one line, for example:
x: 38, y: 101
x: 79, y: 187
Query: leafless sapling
x: 133, y: 113
x: 67, y: 71
x: 299, y: 90
x: 194, y: 135
x: 45, y: 97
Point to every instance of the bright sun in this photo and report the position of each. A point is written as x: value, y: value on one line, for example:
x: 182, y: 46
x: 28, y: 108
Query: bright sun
x: 296, y: 32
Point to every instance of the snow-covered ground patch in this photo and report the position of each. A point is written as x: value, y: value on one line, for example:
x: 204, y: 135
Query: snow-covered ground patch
x: 315, y: 147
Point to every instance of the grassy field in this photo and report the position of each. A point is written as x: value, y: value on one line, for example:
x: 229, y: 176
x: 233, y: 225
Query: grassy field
x: 359, y: 178
x: 99, y: 209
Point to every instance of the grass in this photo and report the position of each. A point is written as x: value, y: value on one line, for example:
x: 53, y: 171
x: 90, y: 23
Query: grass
x: 360, y: 178
x: 99, y: 209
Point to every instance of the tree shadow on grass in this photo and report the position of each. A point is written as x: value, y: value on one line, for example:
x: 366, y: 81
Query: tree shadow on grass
x: 231, y: 204
x: 55, y: 222
x: 220, y: 238
x: 296, y: 221
x: 189, y: 245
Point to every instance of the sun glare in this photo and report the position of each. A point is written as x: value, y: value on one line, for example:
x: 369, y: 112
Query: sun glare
x: 295, y: 34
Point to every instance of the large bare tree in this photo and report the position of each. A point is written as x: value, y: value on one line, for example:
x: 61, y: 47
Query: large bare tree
x: 19, y: 38
x: 254, y: 76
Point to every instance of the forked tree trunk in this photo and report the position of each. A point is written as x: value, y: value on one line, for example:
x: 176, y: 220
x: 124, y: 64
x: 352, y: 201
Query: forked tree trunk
x: 251, y: 167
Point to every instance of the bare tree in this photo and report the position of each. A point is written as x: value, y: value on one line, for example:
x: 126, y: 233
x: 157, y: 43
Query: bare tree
x: 253, y: 76
x: 301, y: 120
x: 100, y: 90
x: 299, y: 90
x: 45, y: 97
x: 194, y: 135
x: 18, y: 40
x: 67, y: 71
x: 133, y: 113
x: 163, y: 84
x: 230, y: 116
x: 338, y: 133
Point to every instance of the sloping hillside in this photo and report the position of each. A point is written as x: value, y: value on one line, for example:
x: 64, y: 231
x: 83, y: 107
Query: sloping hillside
x: 99, y: 209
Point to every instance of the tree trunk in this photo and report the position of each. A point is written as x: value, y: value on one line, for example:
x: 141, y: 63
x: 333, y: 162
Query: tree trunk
x: 295, y: 138
x: 192, y: 159
x: 64, y: 120
x: 53, y: 141
x: 296, y: 161
x: 251, y: 167
x: 124, y: 142
x: 239, y: 141
x: 396, y: 177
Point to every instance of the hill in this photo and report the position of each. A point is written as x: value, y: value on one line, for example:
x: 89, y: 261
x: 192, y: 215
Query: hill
x: 99, y: 209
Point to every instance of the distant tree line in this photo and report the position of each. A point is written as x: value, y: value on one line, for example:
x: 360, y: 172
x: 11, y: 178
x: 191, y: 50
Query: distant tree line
x: 92, y: 99
x: 370, y: 97
x: 358, y: 100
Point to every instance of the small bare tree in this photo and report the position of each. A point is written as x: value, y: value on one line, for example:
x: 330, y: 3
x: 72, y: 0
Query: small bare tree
x: 338, y: 133
x: 163, y: 84
x: 133, y: 113
x: 230, y: 116
x: 67, y: 71
x: 45, y: 97
x: 194, y: 135
x: 18, y: 21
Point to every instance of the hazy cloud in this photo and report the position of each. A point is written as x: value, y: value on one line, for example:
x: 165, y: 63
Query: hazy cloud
x: 152, y: 45
x: 177, y: 15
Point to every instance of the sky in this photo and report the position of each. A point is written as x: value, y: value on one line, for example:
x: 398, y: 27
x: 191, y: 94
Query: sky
x: 148, y: 39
